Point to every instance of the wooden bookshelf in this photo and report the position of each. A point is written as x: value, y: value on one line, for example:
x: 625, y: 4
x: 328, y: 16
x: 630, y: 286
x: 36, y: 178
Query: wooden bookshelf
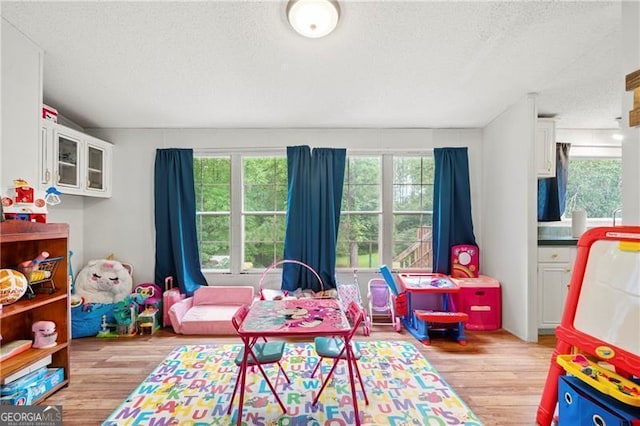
x: 20, y: 241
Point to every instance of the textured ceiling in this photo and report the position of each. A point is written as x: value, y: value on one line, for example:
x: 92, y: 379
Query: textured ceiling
x: 388, y: 64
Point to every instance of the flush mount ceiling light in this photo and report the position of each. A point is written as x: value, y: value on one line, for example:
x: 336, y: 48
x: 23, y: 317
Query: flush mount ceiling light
x: 313, y: 18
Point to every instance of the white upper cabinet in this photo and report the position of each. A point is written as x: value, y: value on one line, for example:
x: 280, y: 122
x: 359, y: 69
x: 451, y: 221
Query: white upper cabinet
x: 74, y: 162
x: 545, y: 148
x: 98, y: 157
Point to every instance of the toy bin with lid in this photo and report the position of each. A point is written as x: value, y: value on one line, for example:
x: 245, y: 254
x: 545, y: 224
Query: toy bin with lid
x: 480, y: 298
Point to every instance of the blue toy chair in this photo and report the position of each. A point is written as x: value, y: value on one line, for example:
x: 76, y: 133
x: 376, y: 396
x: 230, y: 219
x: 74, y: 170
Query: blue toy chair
x: 333, y: 348
x: 265, y: 353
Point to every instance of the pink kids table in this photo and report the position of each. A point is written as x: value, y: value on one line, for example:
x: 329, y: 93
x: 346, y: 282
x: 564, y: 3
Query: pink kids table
x: 295, y: 318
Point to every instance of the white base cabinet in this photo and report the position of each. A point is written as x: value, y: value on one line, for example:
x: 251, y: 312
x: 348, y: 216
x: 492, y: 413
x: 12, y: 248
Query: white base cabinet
x: 555, y: 264
x: 74, y: 162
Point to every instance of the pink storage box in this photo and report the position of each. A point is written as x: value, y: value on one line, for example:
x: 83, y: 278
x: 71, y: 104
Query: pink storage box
x: 49, y: 113
x: 480, y: 298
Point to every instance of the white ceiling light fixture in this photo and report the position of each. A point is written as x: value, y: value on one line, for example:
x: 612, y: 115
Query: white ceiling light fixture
x: 313, y: 18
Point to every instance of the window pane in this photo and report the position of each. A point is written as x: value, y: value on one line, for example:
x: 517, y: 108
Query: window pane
x: 263, y: 240
x: 412, y: 211
x: 265, y: 183
x: 359, y: 233
x: 413, y: 183
x: 594, y: 185
x: 362, y: 184
x: 265, y: 191
x: 412, y: 241
x: 213, y: 239
x: 358, y: 245
x: 212, y: 177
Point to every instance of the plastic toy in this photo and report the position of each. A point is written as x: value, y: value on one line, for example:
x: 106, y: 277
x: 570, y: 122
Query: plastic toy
x: 170, y: 297
x: 25, y: 203
x: 148, y: 295
x: 53, y: 196
x: 125, y: 313
x: 147, y: 321
x: 40, y: 271
x: 465, y: 261
x: 431, y: 307
x: 350, y: 292
x: 381, y: 303
x: 45, y: 334
x: 600, y: 320
x: 13, y: 285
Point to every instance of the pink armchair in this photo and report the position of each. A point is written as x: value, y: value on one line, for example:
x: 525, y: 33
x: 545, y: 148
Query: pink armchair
x: 210, y: 310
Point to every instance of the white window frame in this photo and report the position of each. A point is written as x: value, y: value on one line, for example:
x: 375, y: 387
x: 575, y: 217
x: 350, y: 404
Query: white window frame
x: 237, y: 194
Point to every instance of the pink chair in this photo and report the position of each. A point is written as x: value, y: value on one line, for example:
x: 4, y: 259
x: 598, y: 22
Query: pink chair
x: 334, y: 348
x: 261, y: 354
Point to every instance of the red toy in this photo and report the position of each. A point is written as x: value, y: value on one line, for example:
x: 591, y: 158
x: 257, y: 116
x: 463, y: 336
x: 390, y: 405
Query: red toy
x: 170, y: 297
x: 600, y: 319
x: 465, y: 261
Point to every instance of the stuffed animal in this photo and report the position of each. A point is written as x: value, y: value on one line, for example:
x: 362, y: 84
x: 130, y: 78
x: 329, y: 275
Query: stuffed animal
x: 104, y: 281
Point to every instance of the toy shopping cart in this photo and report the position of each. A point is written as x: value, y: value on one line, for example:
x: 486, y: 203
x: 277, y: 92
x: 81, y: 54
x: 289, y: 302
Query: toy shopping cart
x: 381, y: 303
x: 350, y: 292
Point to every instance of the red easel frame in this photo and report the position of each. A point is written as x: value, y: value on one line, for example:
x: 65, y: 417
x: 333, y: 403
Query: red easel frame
x: 569, y: 338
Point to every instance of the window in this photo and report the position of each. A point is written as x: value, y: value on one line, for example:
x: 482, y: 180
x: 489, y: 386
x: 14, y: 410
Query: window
x: 242, y: 203
x: 595, y: 185
x: 212, y: 177
x: 412, y: 212
x: 264, y: 210
x: 360, y: 217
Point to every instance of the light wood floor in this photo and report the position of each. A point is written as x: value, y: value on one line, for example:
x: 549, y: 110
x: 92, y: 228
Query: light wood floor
x: 499, y: 376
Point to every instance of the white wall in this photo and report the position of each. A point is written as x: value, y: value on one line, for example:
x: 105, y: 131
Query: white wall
x: 124, y: 224
x: 21, y: 100
x: 71, y: 211
x: 508, y: 217
x: 631, y: 144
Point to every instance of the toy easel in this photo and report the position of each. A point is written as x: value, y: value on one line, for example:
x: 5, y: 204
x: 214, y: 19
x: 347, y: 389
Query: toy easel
x: 601, y: 319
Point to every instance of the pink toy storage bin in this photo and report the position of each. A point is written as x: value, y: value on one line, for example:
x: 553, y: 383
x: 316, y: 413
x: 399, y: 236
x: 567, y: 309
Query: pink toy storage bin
x: 480, y: 299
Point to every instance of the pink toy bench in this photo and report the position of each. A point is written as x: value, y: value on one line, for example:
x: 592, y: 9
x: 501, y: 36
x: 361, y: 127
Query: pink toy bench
x: 210, y: 310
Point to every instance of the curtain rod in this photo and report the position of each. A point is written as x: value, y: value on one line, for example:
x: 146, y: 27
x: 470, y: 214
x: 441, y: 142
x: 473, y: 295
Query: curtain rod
x: 283, y: 151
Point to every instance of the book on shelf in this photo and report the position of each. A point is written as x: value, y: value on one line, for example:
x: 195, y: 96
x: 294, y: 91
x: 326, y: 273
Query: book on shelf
x: 28, y: 369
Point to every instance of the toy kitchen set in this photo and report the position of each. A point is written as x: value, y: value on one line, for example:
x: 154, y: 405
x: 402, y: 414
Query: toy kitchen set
x: 23, y: 202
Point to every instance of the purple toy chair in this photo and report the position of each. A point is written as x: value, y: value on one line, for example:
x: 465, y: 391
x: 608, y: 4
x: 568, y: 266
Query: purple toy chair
x: 381, y: 303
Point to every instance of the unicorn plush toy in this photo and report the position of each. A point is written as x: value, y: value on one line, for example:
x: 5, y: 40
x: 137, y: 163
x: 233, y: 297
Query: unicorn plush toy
x: 104, y: 281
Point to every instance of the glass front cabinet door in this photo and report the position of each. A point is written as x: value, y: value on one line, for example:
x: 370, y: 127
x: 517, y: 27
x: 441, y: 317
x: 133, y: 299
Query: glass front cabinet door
x: 96, y: 154
x: 67, y: 156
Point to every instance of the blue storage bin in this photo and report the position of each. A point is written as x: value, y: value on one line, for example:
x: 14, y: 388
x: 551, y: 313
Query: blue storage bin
x: 580, y: 404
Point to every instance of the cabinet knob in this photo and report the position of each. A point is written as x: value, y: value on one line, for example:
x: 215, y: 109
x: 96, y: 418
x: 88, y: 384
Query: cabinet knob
x: 554, y: 255
x: 47, y: 176
x: 567, y: 270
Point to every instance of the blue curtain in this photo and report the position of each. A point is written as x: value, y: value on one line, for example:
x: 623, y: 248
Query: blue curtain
x: 313, y: 215
x: 175, y: 217
x: 552, y: 192
x: 452, y: 222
